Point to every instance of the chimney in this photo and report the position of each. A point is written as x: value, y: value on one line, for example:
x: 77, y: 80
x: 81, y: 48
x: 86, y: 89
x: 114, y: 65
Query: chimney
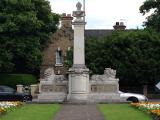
x: 119, y: 26
x: 66, y: 21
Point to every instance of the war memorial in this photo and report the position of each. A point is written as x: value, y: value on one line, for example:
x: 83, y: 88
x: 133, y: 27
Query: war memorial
x: 79, y: 86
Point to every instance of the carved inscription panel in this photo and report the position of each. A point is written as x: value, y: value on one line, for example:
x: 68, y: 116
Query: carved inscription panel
x: 47, y: 88
x: 104, y: 88
x: 52, y: 88
x: 61, y: 88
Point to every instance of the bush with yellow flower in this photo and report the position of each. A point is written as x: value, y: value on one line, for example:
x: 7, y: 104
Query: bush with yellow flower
x: 152, y: 108
x: 6, y: 105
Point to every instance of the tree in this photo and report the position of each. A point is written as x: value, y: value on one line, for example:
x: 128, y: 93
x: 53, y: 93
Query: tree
x: 153, y: 21
x: 68, y: 59
x: 25, y: 28
x: 134, y: 54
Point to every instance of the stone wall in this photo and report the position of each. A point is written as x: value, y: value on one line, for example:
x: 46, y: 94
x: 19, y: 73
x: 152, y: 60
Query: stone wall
x: 57, y: 87
x: 101, y: 88
x: 52, y: 88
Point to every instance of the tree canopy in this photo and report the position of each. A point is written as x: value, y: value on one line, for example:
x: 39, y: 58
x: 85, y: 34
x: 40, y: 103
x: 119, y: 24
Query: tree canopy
x: 134, y: 54
x: 25, y: 28
x: 153, y: 21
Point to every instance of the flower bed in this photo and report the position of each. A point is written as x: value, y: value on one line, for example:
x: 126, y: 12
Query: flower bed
x: 5, y: 106
x: 152, y: 108
x: 2, y: 111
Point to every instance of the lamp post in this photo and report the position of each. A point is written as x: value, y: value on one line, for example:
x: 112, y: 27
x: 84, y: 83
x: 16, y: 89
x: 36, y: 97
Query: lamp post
x: 84, y: 10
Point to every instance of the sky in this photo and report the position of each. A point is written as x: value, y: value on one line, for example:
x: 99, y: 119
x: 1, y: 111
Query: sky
x: 103, y: 14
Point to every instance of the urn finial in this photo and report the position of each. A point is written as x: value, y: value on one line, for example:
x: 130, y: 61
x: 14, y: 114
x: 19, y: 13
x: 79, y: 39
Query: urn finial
x: 79, y: 6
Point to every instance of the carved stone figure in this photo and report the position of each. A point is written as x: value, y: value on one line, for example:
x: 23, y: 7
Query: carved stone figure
x: 78, y: 13
x: 49, y: 74
x: 79, y: 6
x: 110, y: 73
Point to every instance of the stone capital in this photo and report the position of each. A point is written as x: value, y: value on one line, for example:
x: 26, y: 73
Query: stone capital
x: 79, y: 13
x: 78, y: 69
x: 81, y: 22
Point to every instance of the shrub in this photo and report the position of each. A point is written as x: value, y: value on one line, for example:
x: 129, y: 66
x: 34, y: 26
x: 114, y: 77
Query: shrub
x: 13, y: 79
x: 2, y: 111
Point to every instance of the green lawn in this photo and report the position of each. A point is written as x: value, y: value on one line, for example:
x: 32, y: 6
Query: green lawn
x: 122, y: 112
x: 32, y: 112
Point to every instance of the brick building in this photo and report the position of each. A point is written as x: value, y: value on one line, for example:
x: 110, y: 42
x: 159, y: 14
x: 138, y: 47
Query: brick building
x: 62, y: 41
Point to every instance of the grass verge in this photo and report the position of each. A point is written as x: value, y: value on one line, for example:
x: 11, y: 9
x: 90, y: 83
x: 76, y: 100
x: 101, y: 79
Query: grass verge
x: 122, y: 112
x: 32, y: 112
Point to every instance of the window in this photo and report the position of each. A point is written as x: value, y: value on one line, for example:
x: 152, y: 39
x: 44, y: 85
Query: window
x: 69, y: 48
x: 58, y: 57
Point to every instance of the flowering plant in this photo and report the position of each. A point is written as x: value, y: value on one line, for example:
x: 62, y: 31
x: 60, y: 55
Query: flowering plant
x: 150, y: 107
x: 2, y: 111
x: 5, y: 106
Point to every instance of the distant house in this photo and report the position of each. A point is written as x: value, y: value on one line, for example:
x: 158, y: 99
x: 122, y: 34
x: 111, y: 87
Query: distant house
x: 62, y: 40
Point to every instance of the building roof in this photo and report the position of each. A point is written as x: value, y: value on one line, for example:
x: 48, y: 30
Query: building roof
x: 97, y: 33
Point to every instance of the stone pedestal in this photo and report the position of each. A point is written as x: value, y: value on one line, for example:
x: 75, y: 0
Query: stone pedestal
x: 78, y: 84
x: 52, y: 88
x: 103, y: 97
x: 34, y: 88
x: 52, y: 97
x: 52, y: 91
x: 19, y: 88
x: 104, y: 88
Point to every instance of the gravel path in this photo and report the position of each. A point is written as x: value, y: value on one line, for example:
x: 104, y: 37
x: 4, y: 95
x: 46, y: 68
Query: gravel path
x: 78, y: 112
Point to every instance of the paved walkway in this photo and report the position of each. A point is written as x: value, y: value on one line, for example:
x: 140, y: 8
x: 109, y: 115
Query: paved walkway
x: 78, y: 112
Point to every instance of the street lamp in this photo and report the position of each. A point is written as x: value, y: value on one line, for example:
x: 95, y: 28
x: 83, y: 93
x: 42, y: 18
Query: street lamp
x: 84, y: 9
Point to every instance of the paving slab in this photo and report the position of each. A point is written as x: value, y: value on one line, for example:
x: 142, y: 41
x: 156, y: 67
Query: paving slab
x: 78, y: 112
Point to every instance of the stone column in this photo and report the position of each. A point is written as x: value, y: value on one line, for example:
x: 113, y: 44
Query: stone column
x: 78, y: 57
x: 78, y: 74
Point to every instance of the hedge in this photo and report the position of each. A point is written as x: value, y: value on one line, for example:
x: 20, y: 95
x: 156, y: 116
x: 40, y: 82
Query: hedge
x: 14, y: 79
